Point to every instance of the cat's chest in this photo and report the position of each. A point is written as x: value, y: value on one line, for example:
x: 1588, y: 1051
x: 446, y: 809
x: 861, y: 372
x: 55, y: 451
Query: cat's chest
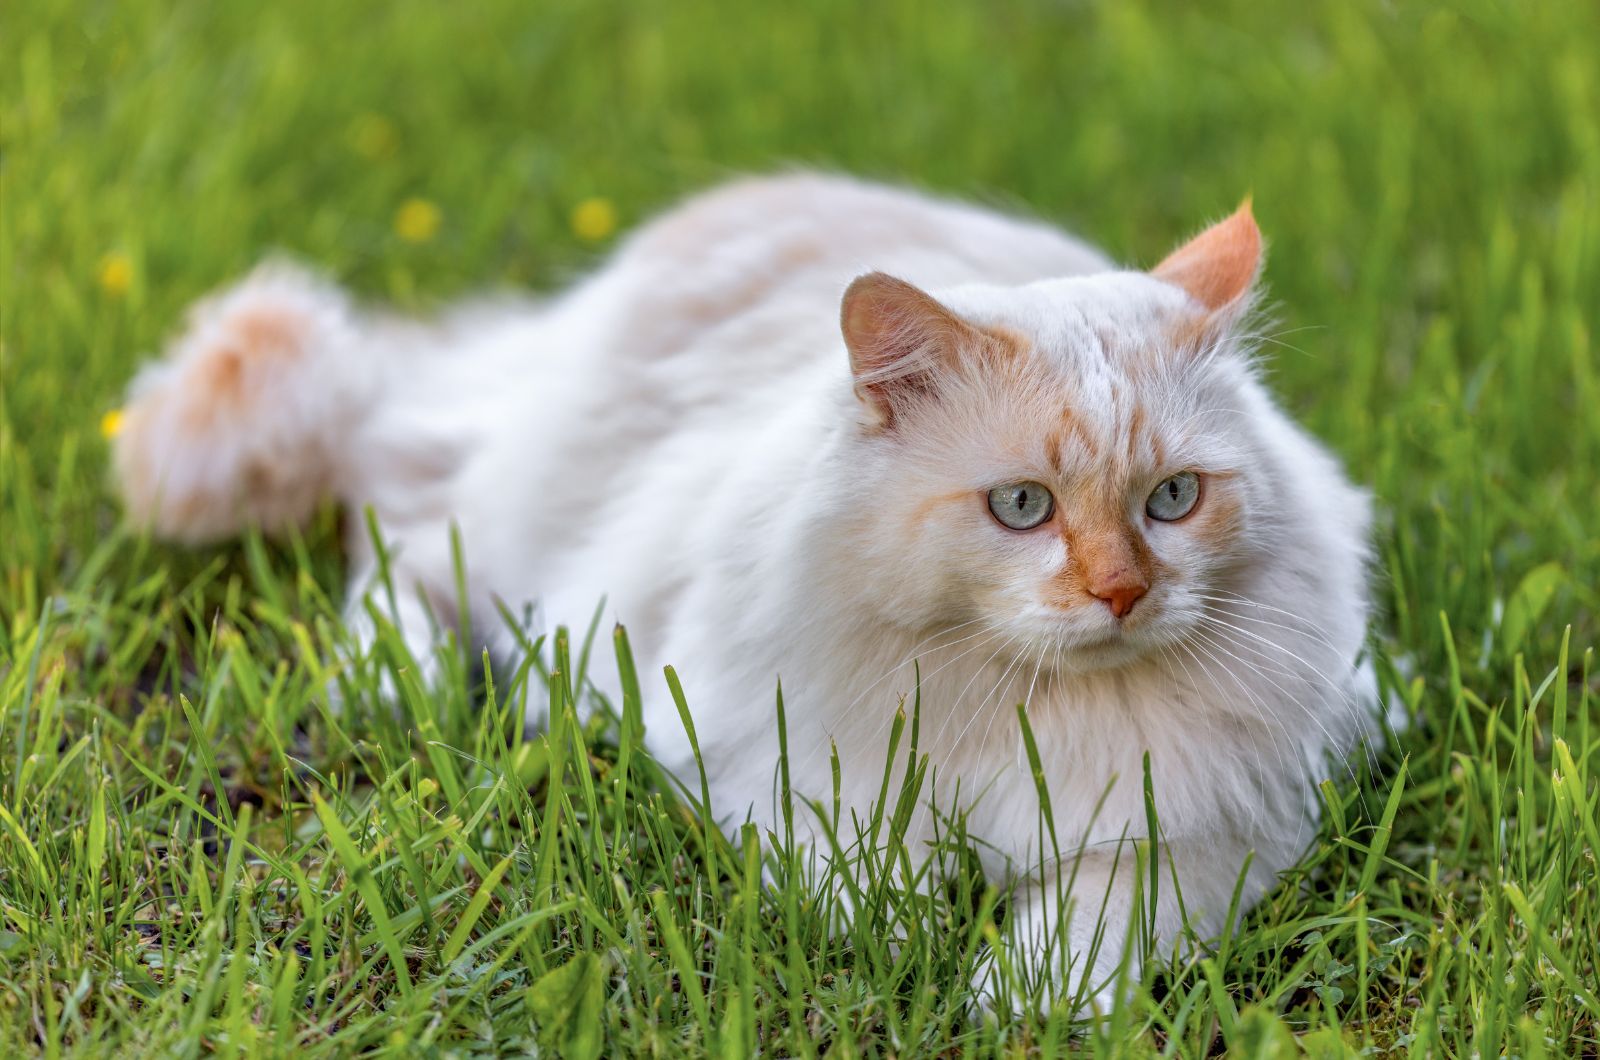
x: 1089, y: 733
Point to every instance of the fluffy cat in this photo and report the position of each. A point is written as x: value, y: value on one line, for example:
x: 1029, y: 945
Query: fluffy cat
x: 843, y: 434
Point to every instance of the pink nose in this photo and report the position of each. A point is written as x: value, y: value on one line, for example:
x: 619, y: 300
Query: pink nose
x: 1120, y: 595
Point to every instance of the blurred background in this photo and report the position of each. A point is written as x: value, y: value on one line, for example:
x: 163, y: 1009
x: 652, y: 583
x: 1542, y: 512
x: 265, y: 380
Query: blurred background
x: 1426, y: 175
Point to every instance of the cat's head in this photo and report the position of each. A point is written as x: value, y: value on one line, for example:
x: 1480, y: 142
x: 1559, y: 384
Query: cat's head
x: 1077, y: 463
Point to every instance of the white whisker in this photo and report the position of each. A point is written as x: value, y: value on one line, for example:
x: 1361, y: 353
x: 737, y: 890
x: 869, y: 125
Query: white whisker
x: 883, y: 724
x: 1227, y: 631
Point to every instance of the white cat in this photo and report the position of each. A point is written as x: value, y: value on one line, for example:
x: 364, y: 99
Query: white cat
x: 1036, y: 477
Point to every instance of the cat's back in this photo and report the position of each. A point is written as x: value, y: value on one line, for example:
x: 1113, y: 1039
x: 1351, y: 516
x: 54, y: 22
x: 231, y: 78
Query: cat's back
x: 767, y: 258
x: 817, y: 222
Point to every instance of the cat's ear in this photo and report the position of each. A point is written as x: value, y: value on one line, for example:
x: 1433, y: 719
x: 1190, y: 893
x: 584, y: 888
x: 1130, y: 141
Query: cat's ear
x: 898, y: 336
x: 1218, y: 268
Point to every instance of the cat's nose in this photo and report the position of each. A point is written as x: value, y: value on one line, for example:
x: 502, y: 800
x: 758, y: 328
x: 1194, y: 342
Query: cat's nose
x: 1121, y: 592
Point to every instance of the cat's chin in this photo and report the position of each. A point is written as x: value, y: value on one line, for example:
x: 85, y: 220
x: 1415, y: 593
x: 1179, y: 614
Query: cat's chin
x: 1112, y: 648
x: 1111, y: 653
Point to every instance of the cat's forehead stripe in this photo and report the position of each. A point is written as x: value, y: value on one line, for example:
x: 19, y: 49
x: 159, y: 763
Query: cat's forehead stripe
x: 1105, y: 425
x: 1135, y: 429
x: 1069, y: 431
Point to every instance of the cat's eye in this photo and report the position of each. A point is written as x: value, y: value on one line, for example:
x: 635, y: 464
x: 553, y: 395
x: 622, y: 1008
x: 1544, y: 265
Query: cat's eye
x: 1174, y: 498
x: 1021, y: 505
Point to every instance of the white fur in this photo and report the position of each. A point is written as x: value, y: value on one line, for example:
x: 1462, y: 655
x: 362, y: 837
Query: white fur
x: 679, y: 433
x: 195, y: 456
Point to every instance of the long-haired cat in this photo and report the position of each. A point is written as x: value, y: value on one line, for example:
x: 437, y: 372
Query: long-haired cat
x: 862, y: 440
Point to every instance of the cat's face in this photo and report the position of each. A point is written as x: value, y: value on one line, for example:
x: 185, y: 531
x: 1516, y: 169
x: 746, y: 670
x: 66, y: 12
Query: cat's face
x: 1070, y: 464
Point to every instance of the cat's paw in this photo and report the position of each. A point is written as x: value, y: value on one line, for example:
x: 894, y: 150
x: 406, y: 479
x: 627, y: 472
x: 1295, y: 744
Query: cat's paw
x: 990, y: 998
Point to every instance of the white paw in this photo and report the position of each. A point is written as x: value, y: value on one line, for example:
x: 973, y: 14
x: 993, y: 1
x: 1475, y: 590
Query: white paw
x: 994, y: 992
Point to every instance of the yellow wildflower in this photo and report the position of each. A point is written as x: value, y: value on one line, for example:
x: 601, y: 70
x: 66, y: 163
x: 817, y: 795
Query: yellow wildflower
x: 374, y: 137
x: 417, y: 220
x: 115, y: 274
x: 111, y: 424
x: 593, y: 219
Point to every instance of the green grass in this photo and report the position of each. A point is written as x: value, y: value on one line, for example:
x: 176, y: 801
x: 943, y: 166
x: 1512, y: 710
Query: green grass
x: 197, y: 855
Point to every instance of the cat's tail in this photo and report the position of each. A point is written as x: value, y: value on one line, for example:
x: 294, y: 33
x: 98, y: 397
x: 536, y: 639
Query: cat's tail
x: 250, y: 416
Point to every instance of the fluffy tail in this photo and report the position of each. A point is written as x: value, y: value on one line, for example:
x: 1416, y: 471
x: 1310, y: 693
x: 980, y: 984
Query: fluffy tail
x: 249, y: 417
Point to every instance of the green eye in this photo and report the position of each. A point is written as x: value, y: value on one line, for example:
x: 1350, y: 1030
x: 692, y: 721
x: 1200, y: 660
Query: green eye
x: 1174, y: 498
x: 1021, y: 505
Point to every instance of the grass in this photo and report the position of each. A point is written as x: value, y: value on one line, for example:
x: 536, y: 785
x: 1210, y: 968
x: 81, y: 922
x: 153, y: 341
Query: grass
x: 197, y: 855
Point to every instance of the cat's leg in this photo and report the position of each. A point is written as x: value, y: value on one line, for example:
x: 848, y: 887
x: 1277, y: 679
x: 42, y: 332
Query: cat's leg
x: 1081, y: 933
x: 399, y: 613
x: 247, y: 418
x: 373, y: 606
x: 1065, y: 938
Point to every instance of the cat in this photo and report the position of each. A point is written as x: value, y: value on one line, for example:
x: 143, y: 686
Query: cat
x: 875, y: 444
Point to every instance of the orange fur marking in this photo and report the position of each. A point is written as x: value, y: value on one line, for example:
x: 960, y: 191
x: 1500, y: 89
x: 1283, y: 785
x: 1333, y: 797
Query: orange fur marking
x: 215, y: 388
x: 922, y: 511
x: 1218, y: 266
x: 1005, y: 344
x: 1053, y: 443
x: 220, y: 381
x: 268, y: 332
x: 1135, y: 429
x: 1108, y: 560
x: 1057, y: 439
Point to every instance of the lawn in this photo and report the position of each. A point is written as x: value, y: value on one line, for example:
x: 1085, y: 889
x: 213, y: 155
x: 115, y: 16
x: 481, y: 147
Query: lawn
x: 197, y: 854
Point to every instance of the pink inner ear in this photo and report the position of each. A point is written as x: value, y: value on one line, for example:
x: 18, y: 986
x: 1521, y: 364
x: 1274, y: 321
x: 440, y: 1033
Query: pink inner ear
x: 887, y: 321
x: 896, y: 334
x: 1218, y: 266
